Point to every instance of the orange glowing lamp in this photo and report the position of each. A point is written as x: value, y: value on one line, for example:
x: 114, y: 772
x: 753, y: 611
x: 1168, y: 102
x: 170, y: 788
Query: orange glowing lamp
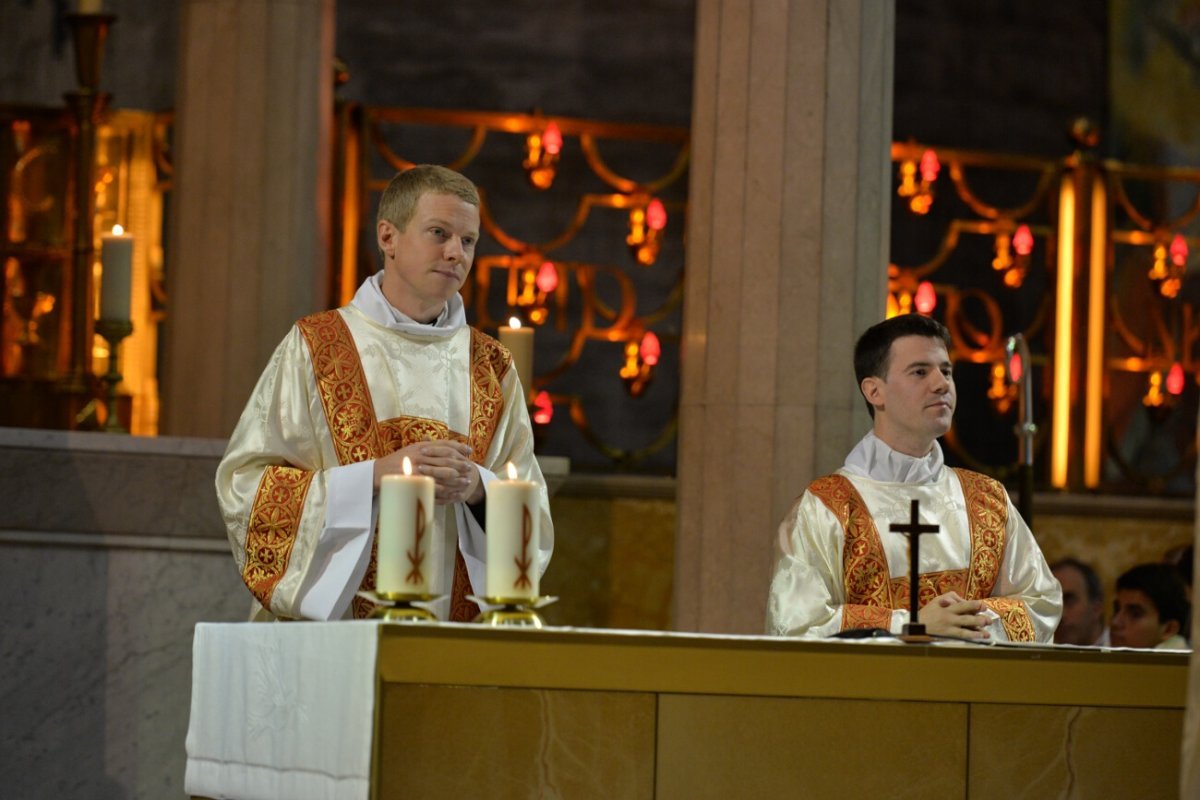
x: 547, y: 277
x: 926, y: 298
x: 1022, y: 240
x: 1175, y: 379
x: 543, y: 408
x: 650, y: 349
x: 656, y: 215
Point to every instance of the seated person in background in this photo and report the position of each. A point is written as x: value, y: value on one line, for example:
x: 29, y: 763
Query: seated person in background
x: 982, y: 575
x: 1150, y: 609
x: 1082, y: 604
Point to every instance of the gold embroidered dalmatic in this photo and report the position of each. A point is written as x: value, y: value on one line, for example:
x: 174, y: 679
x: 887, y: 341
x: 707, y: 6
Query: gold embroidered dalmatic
x: 840, y: 567
x: 342, y: 389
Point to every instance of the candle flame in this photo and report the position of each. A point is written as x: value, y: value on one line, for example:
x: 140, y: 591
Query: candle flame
x: 118, y: 230
x: 513, y: 322
x: 512, y: 471
x: 407, y: 466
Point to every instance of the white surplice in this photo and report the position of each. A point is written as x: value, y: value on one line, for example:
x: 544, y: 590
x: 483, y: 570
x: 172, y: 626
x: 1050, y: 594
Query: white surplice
x: 418, y: 376
x: 808, y: 593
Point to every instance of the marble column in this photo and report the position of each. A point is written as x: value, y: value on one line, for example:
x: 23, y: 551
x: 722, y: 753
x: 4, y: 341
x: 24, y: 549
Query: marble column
x: 787, y: 256
x: 249, y: 223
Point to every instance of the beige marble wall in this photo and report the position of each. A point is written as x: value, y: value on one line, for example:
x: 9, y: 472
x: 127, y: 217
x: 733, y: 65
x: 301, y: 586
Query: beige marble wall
x: 787, y: 243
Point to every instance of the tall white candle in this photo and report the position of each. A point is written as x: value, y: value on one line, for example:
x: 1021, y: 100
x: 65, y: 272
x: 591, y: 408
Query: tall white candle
x: 512, y: 538
x: 116, y: 260
x: 405, y: 531
x: 519, y: 342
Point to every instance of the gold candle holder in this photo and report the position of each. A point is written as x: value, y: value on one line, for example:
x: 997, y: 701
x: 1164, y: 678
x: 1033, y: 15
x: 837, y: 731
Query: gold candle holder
x: 113, y: 331
x: 515, y: 612
x: 89, y: 32
x: 402, y: 607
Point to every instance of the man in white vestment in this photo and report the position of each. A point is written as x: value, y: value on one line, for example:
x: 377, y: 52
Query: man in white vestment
x: 982, y: 575
x: 350, y: 393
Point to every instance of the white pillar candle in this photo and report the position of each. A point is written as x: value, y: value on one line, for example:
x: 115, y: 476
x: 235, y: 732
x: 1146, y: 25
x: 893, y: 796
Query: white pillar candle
x: 512, y: 538
x: 116, y: 260
x: 405, y: 531
x: 519, y: 342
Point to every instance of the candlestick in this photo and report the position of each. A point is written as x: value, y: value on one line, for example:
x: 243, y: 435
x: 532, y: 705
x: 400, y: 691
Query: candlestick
x: 113, y: 331
x: 512, y: 539
x: 519, y: 342
x: 116, y: 258
x: 405, y: 532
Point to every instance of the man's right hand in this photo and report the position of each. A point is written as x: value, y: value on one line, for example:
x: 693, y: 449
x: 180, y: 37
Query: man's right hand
x: 950, y: 615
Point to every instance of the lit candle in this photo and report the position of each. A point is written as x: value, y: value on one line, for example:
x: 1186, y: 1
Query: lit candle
x: 405, y: 530
x: 519, y: 342
x: 116, y: 259
x: 512, y: 538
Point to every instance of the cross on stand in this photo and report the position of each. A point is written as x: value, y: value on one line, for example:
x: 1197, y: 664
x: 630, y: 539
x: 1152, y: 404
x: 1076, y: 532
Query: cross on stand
x: 913, y: 530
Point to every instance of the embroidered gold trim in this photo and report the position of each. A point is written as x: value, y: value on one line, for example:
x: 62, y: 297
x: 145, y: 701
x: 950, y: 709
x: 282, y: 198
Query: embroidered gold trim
x: 1014, y: 616
x: 987, y: 512
x: 490, y: 361
x: 865, y: 572
x: 349, y: 411
x: 271, y: 531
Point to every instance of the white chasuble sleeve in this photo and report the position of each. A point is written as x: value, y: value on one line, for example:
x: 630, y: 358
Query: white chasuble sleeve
x: 807, y: 596
x: 1025, y: 576
x: 274, y: 486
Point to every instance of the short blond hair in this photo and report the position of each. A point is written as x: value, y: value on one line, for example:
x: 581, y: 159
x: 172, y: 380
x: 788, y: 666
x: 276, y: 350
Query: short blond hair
x: 399, y: 200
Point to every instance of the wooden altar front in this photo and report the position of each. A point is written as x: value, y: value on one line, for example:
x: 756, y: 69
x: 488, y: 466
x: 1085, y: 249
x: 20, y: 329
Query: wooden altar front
x: 465, y: 711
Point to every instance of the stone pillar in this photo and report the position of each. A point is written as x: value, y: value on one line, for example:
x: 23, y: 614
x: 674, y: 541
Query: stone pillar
x: 787, y: 264
x: 249, y: 223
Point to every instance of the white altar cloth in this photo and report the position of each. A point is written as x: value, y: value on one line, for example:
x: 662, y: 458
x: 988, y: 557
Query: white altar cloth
x: 282, y: 710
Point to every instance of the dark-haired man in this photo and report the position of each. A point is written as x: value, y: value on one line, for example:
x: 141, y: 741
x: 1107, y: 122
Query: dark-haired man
x: 1082, y: 620
x: 350, y: 392
x: 982, y: 576
x: 1150, y: 609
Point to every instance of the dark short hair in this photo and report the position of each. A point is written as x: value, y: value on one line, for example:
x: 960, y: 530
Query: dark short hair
x: 1162, y: 584
x: 874, y: 348
x: 1091, y: 580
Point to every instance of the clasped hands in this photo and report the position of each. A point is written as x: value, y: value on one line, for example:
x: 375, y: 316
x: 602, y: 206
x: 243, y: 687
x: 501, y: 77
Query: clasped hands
x: 950, y: 615
x: 455, y: 476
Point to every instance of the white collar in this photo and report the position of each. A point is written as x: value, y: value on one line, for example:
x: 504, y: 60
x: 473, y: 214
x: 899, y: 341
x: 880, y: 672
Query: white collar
x: 873, y: 458
x: 369, y: 299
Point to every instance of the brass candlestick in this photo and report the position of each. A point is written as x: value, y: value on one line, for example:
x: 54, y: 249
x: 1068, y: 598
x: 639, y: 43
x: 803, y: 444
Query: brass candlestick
x: 89, y: 32
x: 113, y: 331
x: 402, y: 607
x: 513, y: 611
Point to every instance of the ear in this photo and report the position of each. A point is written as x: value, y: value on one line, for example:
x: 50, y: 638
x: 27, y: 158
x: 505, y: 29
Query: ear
x: 1170, y: 628
x: 385, y: 237
x: 872, y: 389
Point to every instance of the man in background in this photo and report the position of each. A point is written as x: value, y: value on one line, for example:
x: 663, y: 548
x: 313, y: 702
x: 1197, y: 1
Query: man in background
x: 1082, y: 620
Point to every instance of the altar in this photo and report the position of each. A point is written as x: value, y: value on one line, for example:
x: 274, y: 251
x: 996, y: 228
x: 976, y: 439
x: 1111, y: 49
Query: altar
x: 375, y: 710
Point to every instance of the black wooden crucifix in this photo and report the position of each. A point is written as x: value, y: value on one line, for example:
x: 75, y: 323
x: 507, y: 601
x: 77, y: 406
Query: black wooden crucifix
x: 913, y: 530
